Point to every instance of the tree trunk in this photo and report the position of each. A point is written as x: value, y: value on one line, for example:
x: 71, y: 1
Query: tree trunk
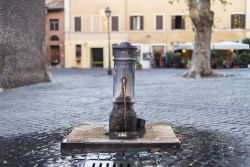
x: 201, y: 54
x: 202, y: 18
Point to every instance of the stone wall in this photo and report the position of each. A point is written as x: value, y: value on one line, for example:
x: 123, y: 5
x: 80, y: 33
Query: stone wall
x: 22, y: 42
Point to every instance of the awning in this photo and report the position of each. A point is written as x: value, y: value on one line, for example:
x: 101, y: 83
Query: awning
x: 227, y: 45
x: 181, y: 46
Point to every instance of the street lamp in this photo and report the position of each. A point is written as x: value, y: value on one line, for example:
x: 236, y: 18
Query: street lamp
x: 108, y: 14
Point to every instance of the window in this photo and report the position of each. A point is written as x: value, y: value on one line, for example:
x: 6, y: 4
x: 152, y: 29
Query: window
x: 178, y: 22
x: 54, y: 24
x: 237, y: 21
x: 136, y: 22
x: 115, y: 23
x: 54, y: 38
x: 78, y: 22
x: 159, y: 22
x: 78, y: 51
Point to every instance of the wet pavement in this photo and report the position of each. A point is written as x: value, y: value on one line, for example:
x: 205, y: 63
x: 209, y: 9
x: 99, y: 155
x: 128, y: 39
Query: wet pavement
x: 199, y: 148
x: 211, y: 116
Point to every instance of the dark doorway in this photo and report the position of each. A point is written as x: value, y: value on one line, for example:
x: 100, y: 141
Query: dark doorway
x: 158, y: 52
x: 97, y: 57
x: 54, y: 55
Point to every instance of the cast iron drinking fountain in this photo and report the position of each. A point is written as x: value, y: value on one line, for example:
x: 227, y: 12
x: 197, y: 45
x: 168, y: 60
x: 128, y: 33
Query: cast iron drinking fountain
x: 126, y: 131
x: 123, y: 122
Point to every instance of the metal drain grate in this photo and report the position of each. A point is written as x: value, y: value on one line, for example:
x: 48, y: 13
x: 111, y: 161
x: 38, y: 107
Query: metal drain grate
x: 96, y: 163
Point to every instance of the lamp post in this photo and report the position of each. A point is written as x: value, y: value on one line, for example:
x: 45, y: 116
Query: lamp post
x: 108, y: 14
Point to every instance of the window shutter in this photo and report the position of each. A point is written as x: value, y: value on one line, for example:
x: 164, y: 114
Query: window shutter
x: 159, y: 22
x: 57, y: 26
x: 243, y: 21
x: 141, y: 20
x: 182, y: 22
x: 115, y: 23
x: 173, y: 22
x: 232, y: 21
x: 77, y: 23
x: 131, y: 23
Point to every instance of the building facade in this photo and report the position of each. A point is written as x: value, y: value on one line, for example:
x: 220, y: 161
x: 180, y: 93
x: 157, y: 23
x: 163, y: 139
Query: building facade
x: 154, y: 26
x: 55, y: 32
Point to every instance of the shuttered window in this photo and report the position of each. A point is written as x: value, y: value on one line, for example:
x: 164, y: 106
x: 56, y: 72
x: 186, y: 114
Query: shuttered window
x: 178, y: 22
x: 136, y: 23
x: 238, y: 21
x: 159, y: 22
x: 78, y: 26
x: 115, y: 23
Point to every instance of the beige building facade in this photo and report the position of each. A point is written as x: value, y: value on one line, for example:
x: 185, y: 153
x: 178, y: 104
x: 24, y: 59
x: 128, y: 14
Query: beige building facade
x: 154, y: 26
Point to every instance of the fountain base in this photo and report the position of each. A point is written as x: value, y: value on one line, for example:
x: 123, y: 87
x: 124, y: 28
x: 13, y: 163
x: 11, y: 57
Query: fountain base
x: 86, y: 138
x: 120, y: 121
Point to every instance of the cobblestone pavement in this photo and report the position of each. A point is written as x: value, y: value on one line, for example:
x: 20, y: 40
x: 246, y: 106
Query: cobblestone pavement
x: 214, y: 104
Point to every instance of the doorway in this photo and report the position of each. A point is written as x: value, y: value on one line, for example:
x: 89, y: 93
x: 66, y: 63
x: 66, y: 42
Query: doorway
x: 158, y: 52
x: 97, y: 57
x: 54, y: 55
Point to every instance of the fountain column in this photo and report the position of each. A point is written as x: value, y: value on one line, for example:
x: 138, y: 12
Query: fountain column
x: 123, y: 117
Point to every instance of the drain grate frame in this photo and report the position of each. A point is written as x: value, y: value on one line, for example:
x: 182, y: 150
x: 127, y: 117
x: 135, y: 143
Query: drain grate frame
x: 98, y: 163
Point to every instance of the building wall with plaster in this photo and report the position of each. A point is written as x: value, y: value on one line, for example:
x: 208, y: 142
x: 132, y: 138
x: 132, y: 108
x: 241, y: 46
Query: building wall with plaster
x: 94, y: 26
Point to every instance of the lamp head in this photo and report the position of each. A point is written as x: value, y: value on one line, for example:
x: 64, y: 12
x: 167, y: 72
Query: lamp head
x: 108, y: 12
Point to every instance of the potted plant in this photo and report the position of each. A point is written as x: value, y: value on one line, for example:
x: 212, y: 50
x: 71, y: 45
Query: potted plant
x: 189, y: 63
x: 176, y: 60
x: 247, y: 41
x: 244, y: 59
x: 236, y: 62
x: 169, y: 63
x: 219, y: 62
x: 138, y: 66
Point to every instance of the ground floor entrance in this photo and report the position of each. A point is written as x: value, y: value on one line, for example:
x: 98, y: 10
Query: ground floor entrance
x: 158, y: 53
x: 96, y: 57
x: 54, y: 55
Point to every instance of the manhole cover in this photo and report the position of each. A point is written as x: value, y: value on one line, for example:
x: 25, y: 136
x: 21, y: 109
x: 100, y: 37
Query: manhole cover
x: 95, y: 163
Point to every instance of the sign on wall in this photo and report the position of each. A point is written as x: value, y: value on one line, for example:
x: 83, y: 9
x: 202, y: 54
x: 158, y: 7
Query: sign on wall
x: 147, y: 56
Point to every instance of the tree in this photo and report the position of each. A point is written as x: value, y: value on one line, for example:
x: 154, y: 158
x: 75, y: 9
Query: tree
x: 203, y: 20
x: 246, y: 41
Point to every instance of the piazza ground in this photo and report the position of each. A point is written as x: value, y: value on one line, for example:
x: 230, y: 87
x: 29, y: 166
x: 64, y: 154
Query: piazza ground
x: 219, y: 105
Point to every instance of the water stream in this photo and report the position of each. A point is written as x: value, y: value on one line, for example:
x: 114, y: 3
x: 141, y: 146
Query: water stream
x: 124, y: 102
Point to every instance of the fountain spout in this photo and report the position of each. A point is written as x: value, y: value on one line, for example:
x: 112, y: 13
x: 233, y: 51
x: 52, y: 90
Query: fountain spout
x: 123, y: 117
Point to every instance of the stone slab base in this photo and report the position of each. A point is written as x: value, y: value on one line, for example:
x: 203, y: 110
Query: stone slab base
x: 86, y: 138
